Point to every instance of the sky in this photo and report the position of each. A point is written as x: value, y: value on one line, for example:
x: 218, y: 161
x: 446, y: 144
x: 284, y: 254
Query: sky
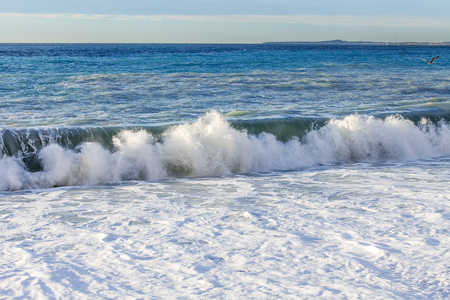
x: 222, y: 21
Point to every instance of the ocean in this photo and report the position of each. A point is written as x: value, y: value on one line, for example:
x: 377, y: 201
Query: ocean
x: 198, y: 171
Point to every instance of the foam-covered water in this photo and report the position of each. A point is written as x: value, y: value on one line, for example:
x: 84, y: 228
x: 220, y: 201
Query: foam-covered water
x: 225, y: 171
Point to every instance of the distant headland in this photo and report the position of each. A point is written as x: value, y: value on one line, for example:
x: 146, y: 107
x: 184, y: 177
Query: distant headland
x: 341, y: 42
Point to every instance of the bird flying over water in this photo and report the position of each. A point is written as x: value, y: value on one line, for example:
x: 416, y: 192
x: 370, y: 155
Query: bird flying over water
x: 431, y: 61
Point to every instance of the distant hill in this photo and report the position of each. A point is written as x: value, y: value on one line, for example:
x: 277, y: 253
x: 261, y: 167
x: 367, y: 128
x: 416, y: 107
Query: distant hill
x: 341, y: 42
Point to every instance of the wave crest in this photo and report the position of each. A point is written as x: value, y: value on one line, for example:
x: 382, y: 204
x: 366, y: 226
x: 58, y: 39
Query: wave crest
x: 212, y: 147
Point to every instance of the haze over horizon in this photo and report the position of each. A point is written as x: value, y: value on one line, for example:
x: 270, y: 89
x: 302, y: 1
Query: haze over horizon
x: 232, y: 21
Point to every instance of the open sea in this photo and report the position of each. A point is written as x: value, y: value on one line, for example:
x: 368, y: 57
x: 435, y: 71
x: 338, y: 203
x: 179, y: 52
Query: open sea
x: 260, y: 171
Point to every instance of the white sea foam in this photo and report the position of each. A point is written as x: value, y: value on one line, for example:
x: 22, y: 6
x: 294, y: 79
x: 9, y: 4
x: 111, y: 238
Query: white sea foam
x: 359, y: 231
x: 211, y: 147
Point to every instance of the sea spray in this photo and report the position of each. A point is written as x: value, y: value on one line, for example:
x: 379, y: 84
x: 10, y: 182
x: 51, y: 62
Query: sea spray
x: 358, y: 138
x: 212, y: 147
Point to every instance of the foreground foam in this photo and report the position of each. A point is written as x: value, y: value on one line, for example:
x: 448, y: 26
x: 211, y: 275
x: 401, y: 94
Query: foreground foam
x: 366, y: 231
x: 212, y: 147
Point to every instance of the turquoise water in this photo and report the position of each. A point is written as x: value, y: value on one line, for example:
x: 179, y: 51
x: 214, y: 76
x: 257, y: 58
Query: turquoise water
x: 122, y: 85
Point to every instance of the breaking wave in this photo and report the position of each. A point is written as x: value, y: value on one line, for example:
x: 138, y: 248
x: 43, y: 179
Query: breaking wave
x: 211, y: 146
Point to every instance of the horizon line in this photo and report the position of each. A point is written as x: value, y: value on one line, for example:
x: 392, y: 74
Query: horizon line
x: 333, y: 41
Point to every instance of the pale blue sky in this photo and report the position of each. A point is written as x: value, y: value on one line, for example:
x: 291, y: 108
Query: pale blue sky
x: 220, y: 21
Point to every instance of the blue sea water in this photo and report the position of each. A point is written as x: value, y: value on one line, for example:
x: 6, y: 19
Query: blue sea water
x: 294, y: 152
x: 68, y: 95
x: 121, y: 85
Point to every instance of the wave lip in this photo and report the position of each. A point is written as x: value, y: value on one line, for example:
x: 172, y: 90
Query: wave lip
x: 212, y: 146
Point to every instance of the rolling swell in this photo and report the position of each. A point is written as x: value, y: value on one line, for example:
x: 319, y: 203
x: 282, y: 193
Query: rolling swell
x: 211, y: 146
x: 282, y: 129
x: 26, y: 143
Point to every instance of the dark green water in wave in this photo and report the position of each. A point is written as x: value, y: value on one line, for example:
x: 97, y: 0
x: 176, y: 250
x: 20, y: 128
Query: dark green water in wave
x: 27, y: 143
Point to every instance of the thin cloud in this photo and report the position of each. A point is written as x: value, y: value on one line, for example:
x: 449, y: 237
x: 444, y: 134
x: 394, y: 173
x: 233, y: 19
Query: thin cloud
x: 326, y: 20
